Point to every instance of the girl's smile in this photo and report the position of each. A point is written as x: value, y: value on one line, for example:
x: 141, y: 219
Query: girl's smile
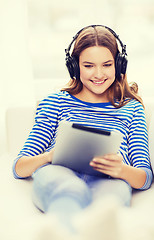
x: 98, y: 83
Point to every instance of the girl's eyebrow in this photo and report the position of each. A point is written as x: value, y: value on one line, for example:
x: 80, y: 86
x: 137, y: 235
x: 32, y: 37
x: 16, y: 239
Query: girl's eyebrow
x: 108, y: 61
x: 88, y: 62
x: 93, y: 63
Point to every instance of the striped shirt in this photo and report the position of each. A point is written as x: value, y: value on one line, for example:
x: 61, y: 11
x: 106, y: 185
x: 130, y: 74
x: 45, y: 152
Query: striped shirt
x: 129, y: 120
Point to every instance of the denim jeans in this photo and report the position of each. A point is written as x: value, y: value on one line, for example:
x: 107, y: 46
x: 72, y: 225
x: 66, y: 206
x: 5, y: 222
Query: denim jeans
x: 56, y: 188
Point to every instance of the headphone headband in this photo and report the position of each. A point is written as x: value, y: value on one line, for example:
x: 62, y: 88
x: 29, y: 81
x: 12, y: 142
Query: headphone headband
x: 114, y: 34
x: 121, y: 60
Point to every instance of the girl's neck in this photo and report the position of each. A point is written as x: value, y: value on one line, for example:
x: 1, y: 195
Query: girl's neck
x: 91, y: 98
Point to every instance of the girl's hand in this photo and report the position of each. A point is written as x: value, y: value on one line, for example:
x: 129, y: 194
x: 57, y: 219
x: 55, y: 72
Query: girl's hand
x: 49, y: 155
x: 110, y: 164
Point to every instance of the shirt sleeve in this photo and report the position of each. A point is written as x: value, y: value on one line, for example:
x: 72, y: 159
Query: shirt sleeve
x: 138, y: 146
x: 43, y: 131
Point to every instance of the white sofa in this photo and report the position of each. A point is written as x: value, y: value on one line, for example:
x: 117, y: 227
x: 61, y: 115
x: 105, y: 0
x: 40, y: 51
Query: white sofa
x: 106, y: 220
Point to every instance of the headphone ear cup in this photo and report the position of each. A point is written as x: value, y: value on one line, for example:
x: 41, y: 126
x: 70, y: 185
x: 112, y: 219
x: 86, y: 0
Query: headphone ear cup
x: 69, y: 65
x: 124, y: 64
x: 120, y: 65
x: 73, y: 67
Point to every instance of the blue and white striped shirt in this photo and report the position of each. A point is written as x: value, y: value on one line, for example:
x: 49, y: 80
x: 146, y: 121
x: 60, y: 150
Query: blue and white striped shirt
x: 129, y: 120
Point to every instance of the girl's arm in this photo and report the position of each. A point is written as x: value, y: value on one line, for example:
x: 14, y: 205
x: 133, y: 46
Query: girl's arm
x: 135, y: 168
x: 35, y: 153
x: 26, y: 165
x: 136, y: 177
x: 113, y: 166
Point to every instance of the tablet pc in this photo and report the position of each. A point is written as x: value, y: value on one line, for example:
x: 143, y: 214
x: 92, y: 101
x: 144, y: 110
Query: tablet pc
x: 76, y: 145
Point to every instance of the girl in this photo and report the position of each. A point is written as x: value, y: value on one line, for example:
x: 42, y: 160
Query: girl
x: 97, y: 95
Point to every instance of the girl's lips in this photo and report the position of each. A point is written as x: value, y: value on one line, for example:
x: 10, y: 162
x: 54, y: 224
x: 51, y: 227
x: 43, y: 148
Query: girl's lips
x: 98, y: 82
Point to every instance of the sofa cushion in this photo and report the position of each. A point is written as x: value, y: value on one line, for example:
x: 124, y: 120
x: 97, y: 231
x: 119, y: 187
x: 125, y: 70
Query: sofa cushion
x: 151, y: 140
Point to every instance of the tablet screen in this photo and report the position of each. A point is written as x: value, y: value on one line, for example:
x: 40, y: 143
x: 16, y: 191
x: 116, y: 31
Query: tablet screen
x: 76, y: 145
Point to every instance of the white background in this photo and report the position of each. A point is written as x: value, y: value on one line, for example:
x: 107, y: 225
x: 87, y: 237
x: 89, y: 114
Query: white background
x: 35, y: 33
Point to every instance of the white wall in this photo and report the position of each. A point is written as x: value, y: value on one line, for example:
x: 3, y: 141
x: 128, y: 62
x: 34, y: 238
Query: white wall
x: 34, y: 34
x: 15, y: 63
x: 53, y: 24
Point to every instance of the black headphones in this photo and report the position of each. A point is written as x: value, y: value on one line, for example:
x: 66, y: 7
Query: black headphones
x: 120, y: 61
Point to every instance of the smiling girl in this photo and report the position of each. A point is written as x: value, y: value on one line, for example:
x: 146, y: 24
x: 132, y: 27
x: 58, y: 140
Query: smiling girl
x: 97, y: 73
x: 97, y: 95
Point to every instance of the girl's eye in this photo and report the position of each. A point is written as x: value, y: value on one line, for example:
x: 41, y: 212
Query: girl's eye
x: 88, y: 66
x: 108, y: 65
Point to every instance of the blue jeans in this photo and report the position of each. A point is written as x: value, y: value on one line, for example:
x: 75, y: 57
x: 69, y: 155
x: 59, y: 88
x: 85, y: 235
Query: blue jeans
x: 54, y: 186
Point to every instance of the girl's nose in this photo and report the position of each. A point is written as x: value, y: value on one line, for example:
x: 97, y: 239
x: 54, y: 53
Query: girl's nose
x: 99, y: 73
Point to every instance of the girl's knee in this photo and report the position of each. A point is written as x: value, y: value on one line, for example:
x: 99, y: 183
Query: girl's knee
x: 78, y: 189
x: 55, y: 181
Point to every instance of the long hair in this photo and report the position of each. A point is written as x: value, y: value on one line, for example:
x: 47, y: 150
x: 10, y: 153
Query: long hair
x: 119, y: 93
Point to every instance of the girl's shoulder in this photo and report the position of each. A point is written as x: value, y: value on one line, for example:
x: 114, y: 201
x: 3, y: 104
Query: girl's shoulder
x: 55, y: 97
x: 52, y: 102
x: 134, y: 106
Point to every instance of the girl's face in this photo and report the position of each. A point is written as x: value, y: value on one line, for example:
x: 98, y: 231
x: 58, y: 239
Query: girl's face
x: 97, y: 73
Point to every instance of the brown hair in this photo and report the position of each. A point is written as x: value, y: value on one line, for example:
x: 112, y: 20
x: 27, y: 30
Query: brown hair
x: 120, y: 89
